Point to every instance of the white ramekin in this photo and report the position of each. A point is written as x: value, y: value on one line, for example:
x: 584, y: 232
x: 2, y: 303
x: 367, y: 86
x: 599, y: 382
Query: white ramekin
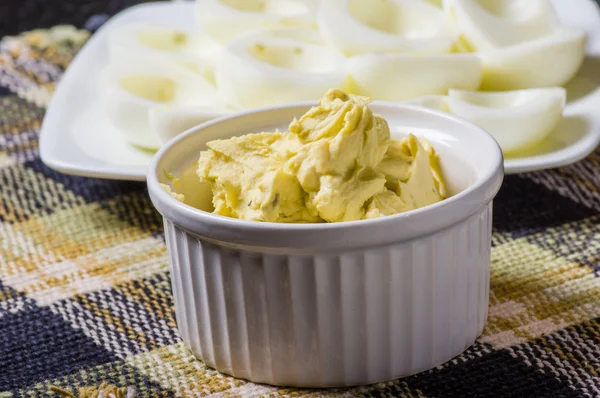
x: 339, y: 304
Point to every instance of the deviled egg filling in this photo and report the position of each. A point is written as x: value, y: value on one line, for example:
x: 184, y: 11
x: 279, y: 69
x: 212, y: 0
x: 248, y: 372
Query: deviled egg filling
x: 179, y: 196
x: 336, y: 163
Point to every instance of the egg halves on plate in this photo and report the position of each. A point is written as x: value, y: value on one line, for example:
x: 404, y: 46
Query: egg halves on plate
x: 516, y: 119
x: 520, y: 42
x: 400, y: 77
x: 274, y: 66
x: 132, y: 89
x: 223, y: 20
x: 385, y: 26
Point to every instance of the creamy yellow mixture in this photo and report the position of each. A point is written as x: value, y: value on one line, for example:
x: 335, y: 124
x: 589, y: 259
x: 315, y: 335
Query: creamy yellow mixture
x: 337, y: 163
x: 179, y: 196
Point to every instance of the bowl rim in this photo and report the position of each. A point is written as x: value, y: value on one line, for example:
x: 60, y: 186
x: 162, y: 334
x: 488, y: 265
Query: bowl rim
x: 422, y: 221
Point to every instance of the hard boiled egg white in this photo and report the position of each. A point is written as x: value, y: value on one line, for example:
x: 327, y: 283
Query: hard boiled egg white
x: 437, y: 3
x: 516, y: 119
x: 168, y: 121
x: 396, y: 26
x: 434, y: 101
x: 277, y: 66
x: 489, y: 24
x: 225, y: 19
x: 133, y: 88
x: 399, y: 77
x: 520, y: 42
x: 187, y: 48
x: 546, y: 62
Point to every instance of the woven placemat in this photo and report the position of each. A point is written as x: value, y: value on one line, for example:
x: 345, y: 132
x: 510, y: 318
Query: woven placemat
x: 85, y: 296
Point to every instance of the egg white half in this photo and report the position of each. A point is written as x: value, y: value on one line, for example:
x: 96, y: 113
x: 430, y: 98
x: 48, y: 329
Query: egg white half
x: 188, y: 48
x: 131, y: 89
x: 521, y: 42
x: 399, y: 77
x: 394, y: 26
x: 223, y: 20
x: 275, y: 66
x: 550, y: 61
x: 168, y: 121
x: 434, y: 101
x: 490, y: 24
x: 437, y: 3
x: 516, y: 119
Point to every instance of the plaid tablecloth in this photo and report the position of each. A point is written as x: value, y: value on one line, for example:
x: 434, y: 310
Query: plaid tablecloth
x: 85, y: 296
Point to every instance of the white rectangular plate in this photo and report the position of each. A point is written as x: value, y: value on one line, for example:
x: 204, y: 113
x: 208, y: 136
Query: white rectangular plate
x: 76, y: 137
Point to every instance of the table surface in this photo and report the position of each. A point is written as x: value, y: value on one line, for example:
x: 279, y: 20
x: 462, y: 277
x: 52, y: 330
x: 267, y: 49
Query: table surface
x: 85, y: 295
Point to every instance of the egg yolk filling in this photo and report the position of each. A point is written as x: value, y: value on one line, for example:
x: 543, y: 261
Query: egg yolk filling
x: 336, y: 163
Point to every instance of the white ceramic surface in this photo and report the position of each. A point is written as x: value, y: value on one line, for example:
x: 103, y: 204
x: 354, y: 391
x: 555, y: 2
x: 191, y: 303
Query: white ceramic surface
x: 76, y: 137
x: 336, y: 304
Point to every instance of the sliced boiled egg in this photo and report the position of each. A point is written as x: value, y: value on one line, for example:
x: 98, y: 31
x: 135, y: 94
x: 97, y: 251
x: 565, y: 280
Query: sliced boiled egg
x: 520, y: 42
x: 400, y: 77
x: 489, y: 24
x: 437, y: 3
x: 516, y: 119
x: 225, y: 19
x: 395, y: 26
x: 275, y: 66
x: 550, y: 61
x: 132, y: 89
x: 168, y: 121
x: 434, y: 101
x: 187, y: 48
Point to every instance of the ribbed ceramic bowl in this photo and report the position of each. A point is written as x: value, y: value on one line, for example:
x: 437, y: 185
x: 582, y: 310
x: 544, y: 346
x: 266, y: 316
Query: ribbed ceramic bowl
x: 338, y: 304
